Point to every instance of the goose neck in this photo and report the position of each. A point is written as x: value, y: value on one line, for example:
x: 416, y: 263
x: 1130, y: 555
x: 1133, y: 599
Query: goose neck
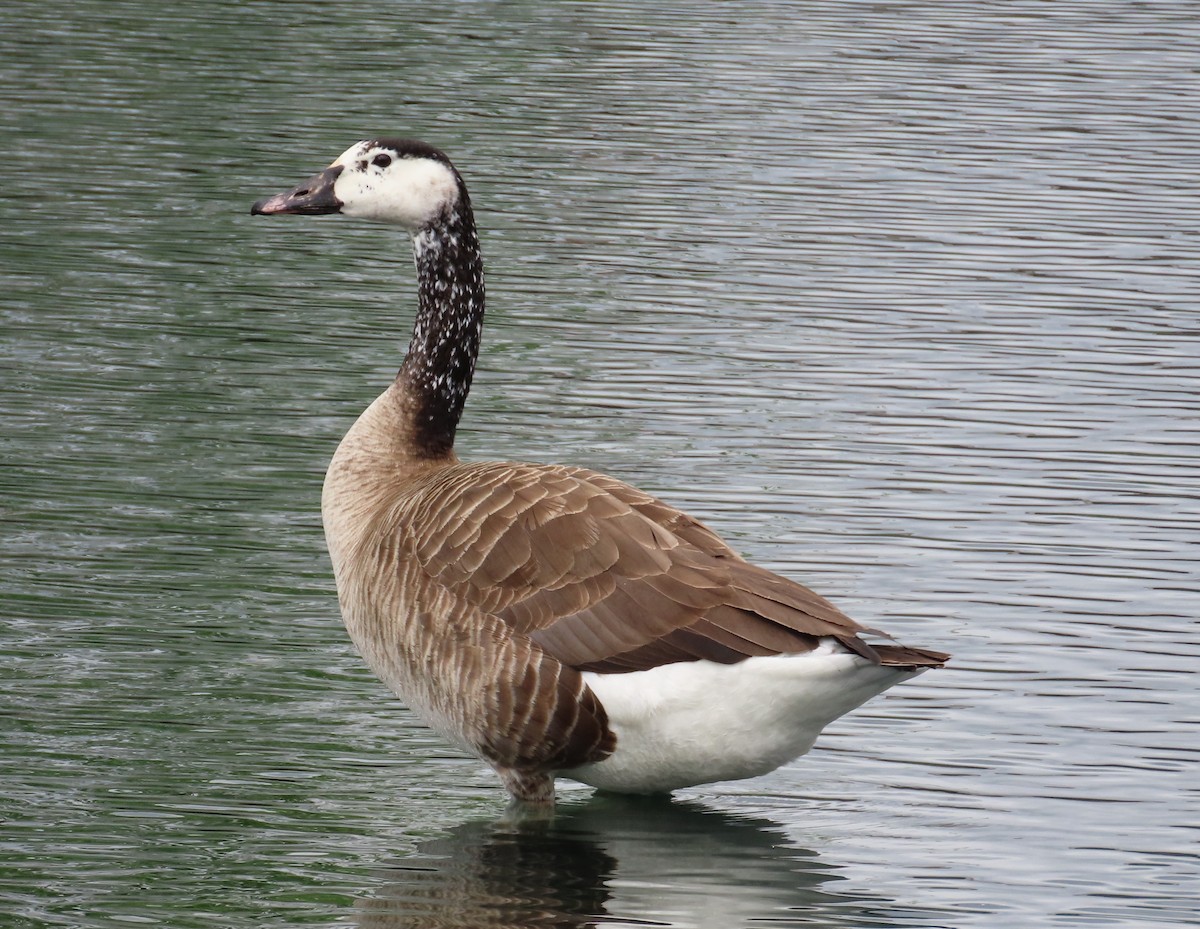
x: 437, y: 370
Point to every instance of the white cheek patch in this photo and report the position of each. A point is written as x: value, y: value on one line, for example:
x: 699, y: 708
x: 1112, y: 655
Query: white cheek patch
x: 409, y: 191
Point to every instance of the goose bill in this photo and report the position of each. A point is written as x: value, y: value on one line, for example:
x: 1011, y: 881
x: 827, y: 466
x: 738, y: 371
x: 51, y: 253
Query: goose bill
x: 312, y: 198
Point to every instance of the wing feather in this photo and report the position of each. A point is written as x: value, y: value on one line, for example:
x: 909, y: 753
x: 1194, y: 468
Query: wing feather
x: 605, y: 577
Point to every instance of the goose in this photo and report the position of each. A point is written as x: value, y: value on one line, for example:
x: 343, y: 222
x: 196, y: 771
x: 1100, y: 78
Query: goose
x: 550, y: 619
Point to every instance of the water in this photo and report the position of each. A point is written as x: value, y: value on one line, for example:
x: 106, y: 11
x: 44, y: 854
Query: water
x: 901, y: 298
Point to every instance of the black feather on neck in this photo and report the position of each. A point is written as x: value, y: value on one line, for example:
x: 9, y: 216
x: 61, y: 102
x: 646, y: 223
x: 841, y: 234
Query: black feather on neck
x: 437, y: 370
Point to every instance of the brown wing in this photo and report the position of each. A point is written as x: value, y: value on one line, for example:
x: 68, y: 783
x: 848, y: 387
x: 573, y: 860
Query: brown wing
x: 604, y: 577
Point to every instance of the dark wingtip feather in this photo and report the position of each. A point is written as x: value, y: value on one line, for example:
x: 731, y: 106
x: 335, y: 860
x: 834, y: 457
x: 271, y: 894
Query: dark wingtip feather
x: 859, y: 647
x: 901, y: 656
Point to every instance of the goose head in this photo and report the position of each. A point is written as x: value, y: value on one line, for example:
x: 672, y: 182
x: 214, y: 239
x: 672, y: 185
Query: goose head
x: 397, y: 181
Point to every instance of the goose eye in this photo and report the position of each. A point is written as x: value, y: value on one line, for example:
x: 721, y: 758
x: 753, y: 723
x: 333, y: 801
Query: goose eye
x: 381, y: 161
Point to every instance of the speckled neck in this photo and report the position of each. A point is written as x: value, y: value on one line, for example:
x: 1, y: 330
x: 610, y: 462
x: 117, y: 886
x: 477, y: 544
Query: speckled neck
x: 436, y: 375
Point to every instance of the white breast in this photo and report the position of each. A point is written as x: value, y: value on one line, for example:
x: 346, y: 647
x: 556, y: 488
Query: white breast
x: 699, y: 721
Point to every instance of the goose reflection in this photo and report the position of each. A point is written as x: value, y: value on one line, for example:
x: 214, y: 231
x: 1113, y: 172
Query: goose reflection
x: 645, y: 861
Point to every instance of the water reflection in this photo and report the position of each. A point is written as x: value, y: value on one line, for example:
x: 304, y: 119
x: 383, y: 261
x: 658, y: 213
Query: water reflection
x: 646, y: 861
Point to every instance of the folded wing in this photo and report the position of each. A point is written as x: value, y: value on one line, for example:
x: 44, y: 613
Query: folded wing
x: 606, y: 578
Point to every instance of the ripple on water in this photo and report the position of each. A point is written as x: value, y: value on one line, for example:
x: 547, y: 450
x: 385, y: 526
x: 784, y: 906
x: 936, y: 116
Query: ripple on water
x: 899, y: 298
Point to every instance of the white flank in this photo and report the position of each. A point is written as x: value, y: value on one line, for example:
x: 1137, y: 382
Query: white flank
x: 699, y: 721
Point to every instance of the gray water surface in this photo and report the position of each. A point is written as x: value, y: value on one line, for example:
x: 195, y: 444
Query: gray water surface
x: 899, y: 297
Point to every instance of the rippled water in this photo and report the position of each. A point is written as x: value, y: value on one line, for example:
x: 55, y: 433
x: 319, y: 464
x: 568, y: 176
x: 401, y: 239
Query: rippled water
x: 900, y: 297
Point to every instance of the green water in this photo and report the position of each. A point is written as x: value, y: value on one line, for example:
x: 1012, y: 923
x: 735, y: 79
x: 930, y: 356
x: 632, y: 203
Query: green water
x: 902, y: 302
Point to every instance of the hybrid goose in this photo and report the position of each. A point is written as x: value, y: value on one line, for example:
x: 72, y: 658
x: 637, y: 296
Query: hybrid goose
x: 553, y: 620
